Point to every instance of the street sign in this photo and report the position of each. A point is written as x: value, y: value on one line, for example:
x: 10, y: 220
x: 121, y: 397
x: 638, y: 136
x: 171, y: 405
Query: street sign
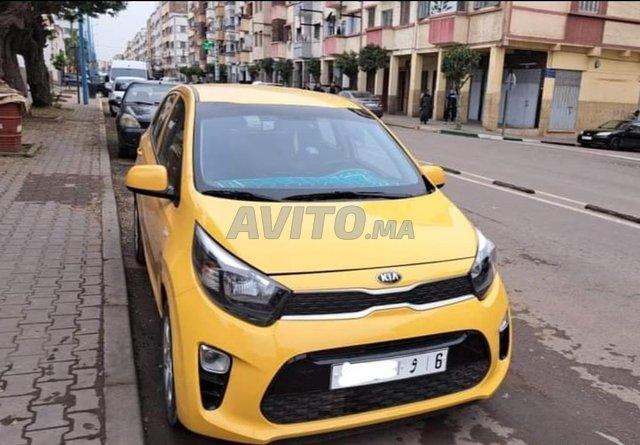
x: 550, y: 73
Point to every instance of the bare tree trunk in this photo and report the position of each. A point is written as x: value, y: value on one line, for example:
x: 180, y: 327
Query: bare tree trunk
x: 37, y: 73
x: 12, y: 21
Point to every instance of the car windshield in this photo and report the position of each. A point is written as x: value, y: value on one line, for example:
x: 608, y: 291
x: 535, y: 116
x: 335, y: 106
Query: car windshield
x: 128, y: 72
x: 146, y: 93
x: 282, y: 151
x: 614, y: 125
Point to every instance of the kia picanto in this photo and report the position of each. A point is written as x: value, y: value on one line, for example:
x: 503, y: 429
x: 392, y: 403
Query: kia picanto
x: 310, y: 274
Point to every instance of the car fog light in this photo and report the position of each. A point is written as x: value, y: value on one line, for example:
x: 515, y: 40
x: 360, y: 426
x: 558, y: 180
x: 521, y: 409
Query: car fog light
x: 505, y: 323
x: 504, y: 341
x: 213, y: 360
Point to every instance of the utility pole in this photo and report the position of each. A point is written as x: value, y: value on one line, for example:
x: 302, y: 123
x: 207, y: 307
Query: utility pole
x: 510, y: 83
x: 83, y: 63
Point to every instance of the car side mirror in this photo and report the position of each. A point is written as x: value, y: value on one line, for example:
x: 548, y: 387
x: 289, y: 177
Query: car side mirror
x: 150, y: 180
x: 434, y: 174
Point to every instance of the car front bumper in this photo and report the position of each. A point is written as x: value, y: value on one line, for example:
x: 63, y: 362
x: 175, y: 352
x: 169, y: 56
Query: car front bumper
x: 593, y: 140
x: 259, y: 353
x: 130, y: 137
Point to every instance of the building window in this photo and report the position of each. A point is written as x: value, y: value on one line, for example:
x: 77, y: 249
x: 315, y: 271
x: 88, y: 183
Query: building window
x: 371, y: 17
x: 480, y: 5
x: 423, y: 10
x: 316, y: 31
x: 387, y: 18
x: 404, y: 12
x: 589, y: 7
x: 436, y: 8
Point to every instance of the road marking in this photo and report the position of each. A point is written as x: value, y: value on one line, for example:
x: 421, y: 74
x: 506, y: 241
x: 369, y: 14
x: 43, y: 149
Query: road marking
x: 585, y: 151
x: 546, y: 201
x: 609, y: 438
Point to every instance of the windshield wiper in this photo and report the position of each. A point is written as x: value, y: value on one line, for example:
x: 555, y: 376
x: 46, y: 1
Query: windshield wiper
x: 329, y: 196
x: 239, y: 195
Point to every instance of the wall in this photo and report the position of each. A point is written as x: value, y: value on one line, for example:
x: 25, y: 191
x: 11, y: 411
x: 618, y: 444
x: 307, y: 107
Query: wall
x: 486, y: 27
x: 537, y: 24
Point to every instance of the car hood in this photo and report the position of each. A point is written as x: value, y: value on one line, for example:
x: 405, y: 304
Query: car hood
x: 434, y: 231
x: 592, y: 131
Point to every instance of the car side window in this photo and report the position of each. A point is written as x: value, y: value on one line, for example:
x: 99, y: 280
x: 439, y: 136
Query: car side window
x: 171, y: 143
x: 159, y: 119
x: 635, y: 129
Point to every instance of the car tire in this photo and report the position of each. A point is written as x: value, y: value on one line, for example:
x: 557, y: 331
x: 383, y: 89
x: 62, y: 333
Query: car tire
x: 123, y: 151
x: 614, y: 144
x: 138, y: 245
x: 168, y: 385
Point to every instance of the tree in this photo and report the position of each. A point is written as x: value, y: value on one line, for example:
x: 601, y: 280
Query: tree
x: 284, y: 68
x: 267, y: 66
x: 371, y: 59
x: 347, y: 63
x: 458, y: 63
x: 60, y: 61
x: 24, y: 29
x: 254, y: 70
x: 71, y: 47
x: 315, y: 69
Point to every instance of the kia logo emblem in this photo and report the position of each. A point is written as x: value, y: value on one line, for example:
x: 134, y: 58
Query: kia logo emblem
x: 389, y: 277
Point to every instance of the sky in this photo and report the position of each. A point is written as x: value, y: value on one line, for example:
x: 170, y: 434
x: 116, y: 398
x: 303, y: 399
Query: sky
x: 111, y: 34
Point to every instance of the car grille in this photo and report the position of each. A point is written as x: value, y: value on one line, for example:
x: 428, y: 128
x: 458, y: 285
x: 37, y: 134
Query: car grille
x: 300, y: 390
x: 318, y: 303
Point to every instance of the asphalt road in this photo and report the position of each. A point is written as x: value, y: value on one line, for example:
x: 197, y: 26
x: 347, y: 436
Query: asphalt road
x: 573, y: 281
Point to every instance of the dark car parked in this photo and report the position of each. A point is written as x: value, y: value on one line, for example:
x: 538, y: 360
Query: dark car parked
x: 614, y: 134
x: 139, y: 103
x: 366, y: 99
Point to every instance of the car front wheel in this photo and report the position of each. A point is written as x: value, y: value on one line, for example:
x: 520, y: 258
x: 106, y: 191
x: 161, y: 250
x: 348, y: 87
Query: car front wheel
x: 614, y: 143
x: 167, y: 371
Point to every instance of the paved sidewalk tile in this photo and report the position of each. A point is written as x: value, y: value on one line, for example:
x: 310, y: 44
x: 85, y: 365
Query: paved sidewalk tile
x: 51, y: 325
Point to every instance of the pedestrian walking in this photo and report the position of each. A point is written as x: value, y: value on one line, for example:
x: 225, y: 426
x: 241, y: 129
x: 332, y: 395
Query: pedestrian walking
x: 451, y: 106
x: 317, y: 87
x: 426, y: 107
x: 333, y: 89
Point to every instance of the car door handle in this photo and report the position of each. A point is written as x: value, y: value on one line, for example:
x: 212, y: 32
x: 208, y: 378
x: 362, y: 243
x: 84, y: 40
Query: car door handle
x: 139, y: 151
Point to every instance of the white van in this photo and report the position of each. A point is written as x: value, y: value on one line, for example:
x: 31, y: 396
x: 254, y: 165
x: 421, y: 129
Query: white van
x: 128, y: 68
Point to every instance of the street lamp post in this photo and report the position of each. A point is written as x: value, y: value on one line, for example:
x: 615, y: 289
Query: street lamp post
x: 83, y: 63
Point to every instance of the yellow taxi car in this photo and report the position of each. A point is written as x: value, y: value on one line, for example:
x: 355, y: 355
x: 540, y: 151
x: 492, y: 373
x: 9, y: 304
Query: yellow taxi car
x: 310, y: 274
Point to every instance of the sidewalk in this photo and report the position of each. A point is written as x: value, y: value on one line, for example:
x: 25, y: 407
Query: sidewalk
x: 468, y: 130
x: 66, y: 362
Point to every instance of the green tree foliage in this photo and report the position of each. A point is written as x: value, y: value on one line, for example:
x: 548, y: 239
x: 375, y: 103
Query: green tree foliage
x: 371, y: 58
x: 458, y: 63
x: 267, y: 65
x: 347, y: 63
x: 254, y: 70
x: 60, y: 61
x: 24, y: 30
x: 315, y: 69
x: 284, y: 68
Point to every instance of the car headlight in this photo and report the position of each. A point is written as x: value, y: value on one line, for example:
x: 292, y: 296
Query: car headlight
x: 235, y: 286
x: 129, y: 121
x: 603, y: 134
x: 483, y: 269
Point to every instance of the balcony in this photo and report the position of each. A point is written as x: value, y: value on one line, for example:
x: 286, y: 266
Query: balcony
x: 279, y: 50
x: 244, y: 57
x: 333, y: 4
x: 219, y: 11
x: 334, y: 45
x: 302, y: 50
x: 278, y: 11
x: 244, y: 25
x: 382, y: 37
x: 448, y: 30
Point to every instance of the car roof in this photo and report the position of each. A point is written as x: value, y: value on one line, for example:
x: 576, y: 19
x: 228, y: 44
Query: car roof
x: 267, y: 95
x: 130, y: 78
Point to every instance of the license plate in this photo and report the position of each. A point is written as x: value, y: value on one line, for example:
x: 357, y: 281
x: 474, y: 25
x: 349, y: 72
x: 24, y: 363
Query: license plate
x: 586, y: 138
x: 345, y: 375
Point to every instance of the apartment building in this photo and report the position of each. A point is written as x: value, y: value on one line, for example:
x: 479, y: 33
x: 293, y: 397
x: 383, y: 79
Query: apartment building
x: 154, y: 42
x: 576, y: 63
x: 197, y: 15
x: 174, y: 36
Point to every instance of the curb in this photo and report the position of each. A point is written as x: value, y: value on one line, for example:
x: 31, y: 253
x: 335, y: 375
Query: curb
x: 625, y: 216
x: 123, y: 422
x: 480, y: 135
